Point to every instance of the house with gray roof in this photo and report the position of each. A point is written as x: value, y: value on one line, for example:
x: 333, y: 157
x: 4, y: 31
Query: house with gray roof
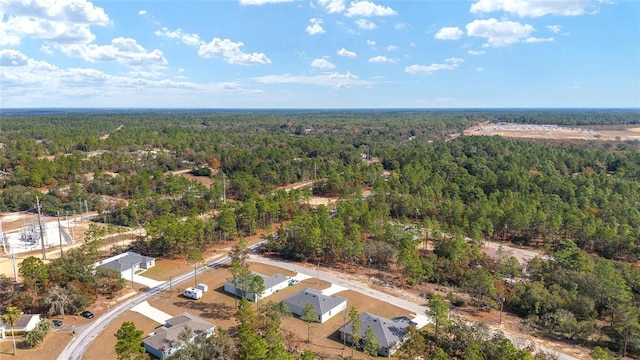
x: 272, y: 284
x: 127, y: 262
x: 164, y: 341
x: 390, y: 333
x: 325, y: 306
x: 25, y: 323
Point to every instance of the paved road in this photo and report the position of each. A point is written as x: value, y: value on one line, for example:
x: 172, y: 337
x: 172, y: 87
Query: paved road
x: 348, y: 284
x: 402, y: 303
x: 85, y: 336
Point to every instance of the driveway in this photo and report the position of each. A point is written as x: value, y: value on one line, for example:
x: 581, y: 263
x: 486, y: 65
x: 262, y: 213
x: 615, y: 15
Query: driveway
x: 333, y: 289
x: 138, y: 279
x: 152, y: 313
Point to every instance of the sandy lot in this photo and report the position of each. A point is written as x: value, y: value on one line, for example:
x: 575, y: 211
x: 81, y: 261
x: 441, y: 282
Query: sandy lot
x: 552, y: 132
x: 219, y: 308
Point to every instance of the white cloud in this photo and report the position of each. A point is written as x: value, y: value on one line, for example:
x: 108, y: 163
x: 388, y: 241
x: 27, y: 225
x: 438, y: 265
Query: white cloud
x: 371, y: 43
x: 335, y: 80
x: 11, y: 57
x: 315, y: 27
x: 189, y: 39
x: 499, y: 33
x: 21, y: 77
x: 392, y: 48
x: 381, y: 59
x: 125, y: 51
x: 537, y: 40
x: 63, y: 21
x: 262, y: 2
x: 332, y: 6
x: 146, y: 74
x: 554, y: 28
x: 347, y: 53
x: 449, y: 33
x: 231, y: 53
x: 142, y: 12
x: 454, y: 60
x: 428, y: 69
x: 367, y: 8
x: 475, y: 53
x: 46, y: 48
x: 401, y: 26
x: 537, y: 8
x: 365, y: 24
x: 450, y: 64
x: 322, y: 64
x: 479, y: 69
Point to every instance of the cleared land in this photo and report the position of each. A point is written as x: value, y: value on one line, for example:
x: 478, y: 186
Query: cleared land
x: 219, y: 308
x: 552, y: 132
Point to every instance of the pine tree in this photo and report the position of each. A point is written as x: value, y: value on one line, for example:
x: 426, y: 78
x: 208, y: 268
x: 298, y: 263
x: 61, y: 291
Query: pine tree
x: 129, y: 345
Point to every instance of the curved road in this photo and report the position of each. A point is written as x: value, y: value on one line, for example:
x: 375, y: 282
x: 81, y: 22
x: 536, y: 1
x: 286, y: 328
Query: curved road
x: 83, y: 339
x: 402, y: 303
x: 85, y: 336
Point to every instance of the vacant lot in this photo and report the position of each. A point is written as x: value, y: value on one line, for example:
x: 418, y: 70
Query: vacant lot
x: 552, y: 132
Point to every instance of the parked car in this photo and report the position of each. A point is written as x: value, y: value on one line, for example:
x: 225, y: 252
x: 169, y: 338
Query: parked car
x: 87, y: 314
x: 57, y: 322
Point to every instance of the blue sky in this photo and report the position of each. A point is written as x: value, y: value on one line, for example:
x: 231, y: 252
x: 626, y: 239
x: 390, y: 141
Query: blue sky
x: 320, y: 54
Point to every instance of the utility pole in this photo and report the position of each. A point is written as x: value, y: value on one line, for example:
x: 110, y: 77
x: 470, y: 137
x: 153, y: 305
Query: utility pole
x: 502, y: 300
x: 15, y: 266
x: 44, y: 253
x: 60, y: 234
x: 73, y: 229
x: 224, y: 189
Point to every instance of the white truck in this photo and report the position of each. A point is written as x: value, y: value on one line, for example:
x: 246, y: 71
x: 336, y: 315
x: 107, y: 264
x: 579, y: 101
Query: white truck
x: 192, y: 293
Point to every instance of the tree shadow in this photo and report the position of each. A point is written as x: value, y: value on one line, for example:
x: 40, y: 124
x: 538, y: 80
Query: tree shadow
x: 220, y: 310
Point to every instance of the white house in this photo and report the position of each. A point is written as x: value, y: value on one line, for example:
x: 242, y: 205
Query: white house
x: 127, y: 262
x: 272, y: 284
x: 164, y: 340
x: 24, y: 324
x: 390, y: 333
x: 325, y: 306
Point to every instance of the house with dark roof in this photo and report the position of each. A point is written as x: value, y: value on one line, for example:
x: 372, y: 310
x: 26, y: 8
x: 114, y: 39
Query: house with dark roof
x: 390, y: 333
x: 325, y: 306
x: 164, y: 340
x: 273, y: 283
x: 127, y: 262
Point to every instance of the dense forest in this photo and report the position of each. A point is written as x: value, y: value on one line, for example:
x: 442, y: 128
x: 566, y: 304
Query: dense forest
x: 413, y: 199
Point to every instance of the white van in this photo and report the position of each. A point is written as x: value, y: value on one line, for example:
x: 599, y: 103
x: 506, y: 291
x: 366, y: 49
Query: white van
x: 192, y: 293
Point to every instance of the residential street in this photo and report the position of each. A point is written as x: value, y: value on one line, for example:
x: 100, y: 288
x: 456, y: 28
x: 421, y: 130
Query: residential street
x: 405, y: 304
x: 85, y: 336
